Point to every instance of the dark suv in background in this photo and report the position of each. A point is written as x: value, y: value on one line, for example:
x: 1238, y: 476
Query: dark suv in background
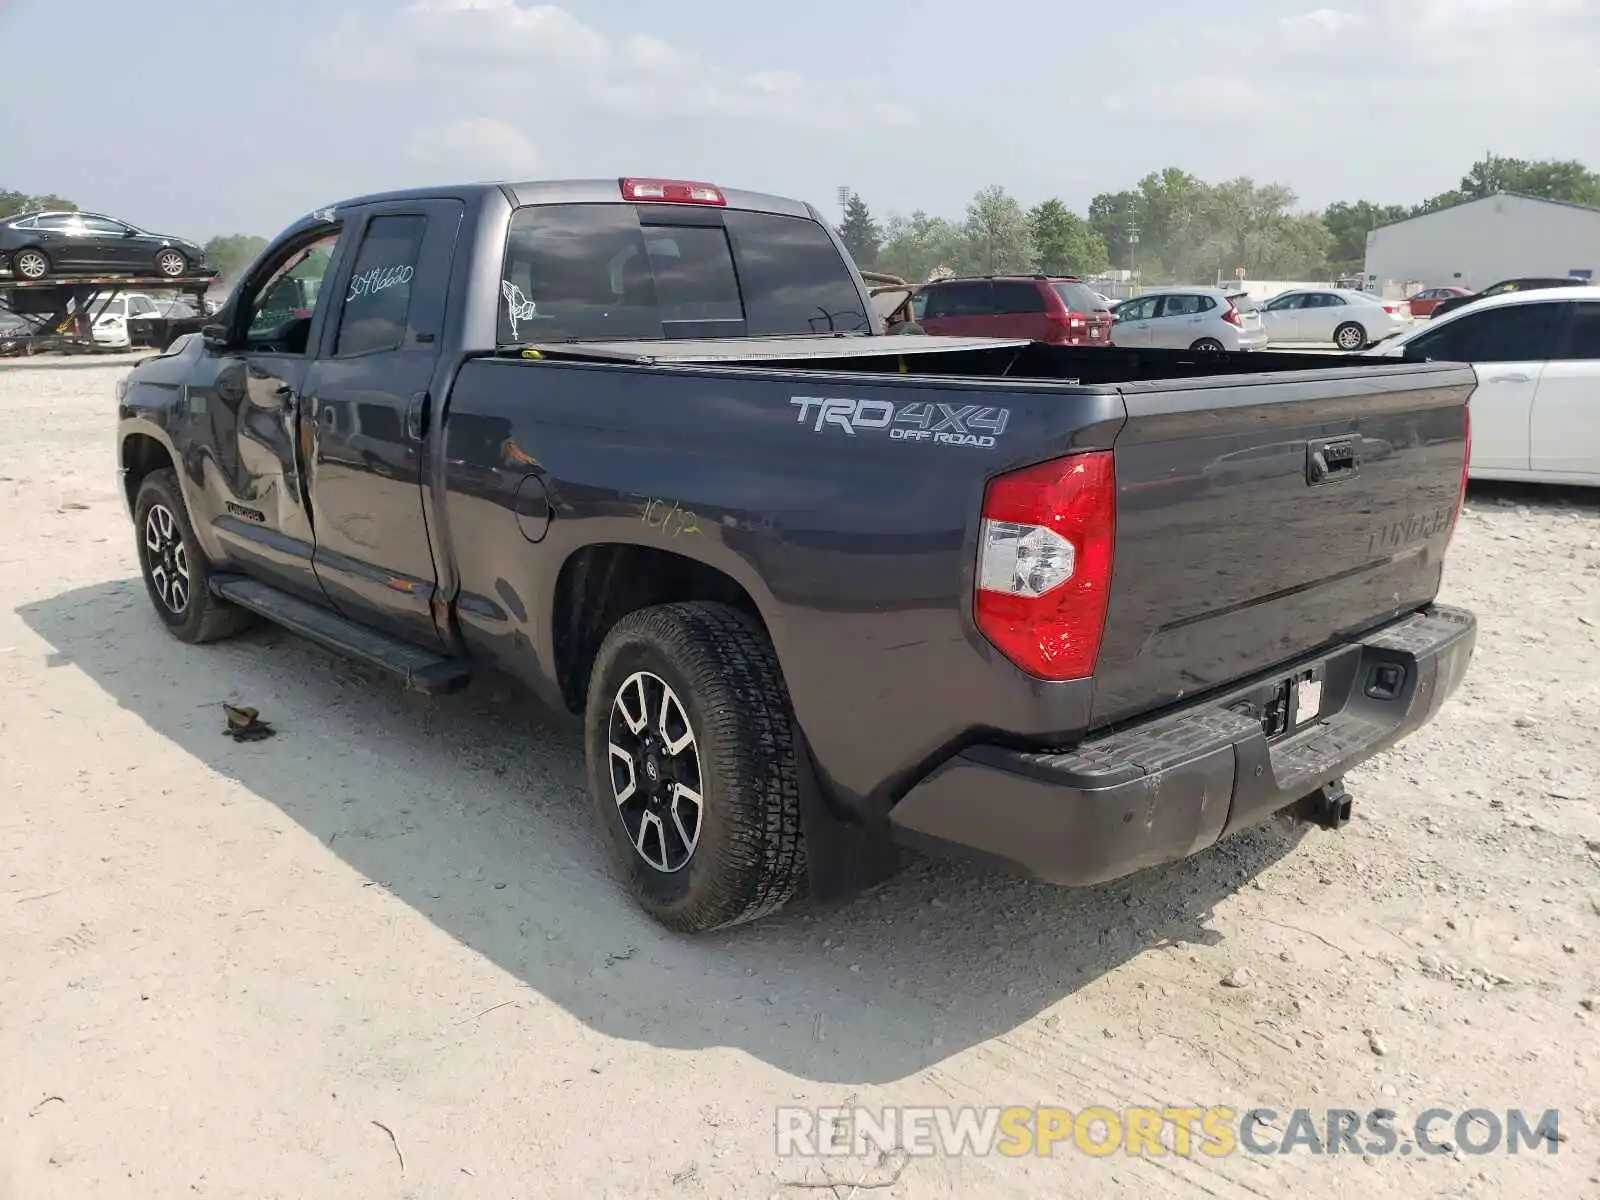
x: 1042, y: 308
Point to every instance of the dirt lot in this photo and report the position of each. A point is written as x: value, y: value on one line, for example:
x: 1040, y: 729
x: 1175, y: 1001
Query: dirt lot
x: 380, y: 954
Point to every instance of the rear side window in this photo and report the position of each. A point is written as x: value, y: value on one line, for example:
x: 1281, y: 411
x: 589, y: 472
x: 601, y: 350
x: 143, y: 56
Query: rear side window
x: 1583, y: 333
x: 377, y: 300
x: 1185, y: 306
x: 1012, y: 297
x: 593, y: 271
x: 1077, y: 297
x: 1518, y: 333
x: 959, y: 300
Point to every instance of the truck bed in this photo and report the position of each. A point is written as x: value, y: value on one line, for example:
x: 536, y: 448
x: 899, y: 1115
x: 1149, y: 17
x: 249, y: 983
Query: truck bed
x: 818, y: 483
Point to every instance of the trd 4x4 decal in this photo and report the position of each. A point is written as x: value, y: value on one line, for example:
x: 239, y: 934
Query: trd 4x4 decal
x: 941, y: 424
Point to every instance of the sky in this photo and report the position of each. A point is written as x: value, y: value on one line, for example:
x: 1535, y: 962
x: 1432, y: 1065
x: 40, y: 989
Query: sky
x: 232, y: 117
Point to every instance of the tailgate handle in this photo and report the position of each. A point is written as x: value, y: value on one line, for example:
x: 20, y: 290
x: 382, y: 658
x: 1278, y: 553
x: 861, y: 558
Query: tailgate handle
x: 1330, y: 460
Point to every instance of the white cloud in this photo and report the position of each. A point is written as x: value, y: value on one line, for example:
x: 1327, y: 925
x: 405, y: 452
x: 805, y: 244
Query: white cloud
x: 482, y: 146
x: 511, y: 52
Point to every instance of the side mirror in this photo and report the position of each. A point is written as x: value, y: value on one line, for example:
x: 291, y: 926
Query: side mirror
x: 215, y: 335
x: 127, y: 233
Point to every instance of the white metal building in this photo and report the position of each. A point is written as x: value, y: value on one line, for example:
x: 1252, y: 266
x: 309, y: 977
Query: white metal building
x: 1481, y: 242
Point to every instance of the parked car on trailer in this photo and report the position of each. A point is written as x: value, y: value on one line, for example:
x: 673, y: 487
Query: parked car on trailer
x: 1536, y: 409
x: 37, y: 245
x: 805, y: 593
x: 1188, y: 319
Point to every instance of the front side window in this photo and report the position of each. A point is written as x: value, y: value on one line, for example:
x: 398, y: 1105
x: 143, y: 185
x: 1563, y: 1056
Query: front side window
x: 280, y: 308
x: 103, y: 225
x: 377, y: 300
x: 1139, y: 310
x: 1285, y: 303
x: 140, y: 306
x: 1516, y: 333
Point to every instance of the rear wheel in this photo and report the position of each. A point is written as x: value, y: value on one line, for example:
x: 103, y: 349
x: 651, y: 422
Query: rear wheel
x: 1208, y: 345
x: 176, y: 572
x: 1350, y: 336
x: 692, y: 766
x: 30, y: 264
x: 171, y: 263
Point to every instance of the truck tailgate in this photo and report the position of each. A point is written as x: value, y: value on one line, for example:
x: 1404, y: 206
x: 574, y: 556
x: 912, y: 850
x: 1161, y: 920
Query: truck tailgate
x: 1259, y: 519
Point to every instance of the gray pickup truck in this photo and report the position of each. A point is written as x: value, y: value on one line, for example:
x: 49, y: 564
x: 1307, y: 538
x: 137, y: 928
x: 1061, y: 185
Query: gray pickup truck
x: 811, y: 589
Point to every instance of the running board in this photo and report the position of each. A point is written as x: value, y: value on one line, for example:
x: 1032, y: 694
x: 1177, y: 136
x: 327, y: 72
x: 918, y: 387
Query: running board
x: 422, y: 670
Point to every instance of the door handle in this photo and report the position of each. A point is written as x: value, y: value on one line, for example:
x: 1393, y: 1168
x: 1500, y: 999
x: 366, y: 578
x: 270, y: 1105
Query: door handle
x: 283, y: 391
x: 1515, y: 377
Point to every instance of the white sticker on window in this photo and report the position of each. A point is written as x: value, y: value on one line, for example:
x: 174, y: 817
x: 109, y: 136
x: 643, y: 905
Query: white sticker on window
x: 518, y: 306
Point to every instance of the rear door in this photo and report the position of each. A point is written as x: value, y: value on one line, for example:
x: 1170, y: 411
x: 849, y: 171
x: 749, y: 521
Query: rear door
x: 368, y: 403
x: 1509, y: 346
x: 1179, y: 320
x: 963, y: 309
x: 1019, y: 311
x: 1564, y: 437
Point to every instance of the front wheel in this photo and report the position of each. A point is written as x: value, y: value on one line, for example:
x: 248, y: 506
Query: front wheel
x: 171, y: 263
x: 1350, y: 336
x: 176, y: 572
x: 1208, y: 346
x: 30, y: 264
x: 692, y: 766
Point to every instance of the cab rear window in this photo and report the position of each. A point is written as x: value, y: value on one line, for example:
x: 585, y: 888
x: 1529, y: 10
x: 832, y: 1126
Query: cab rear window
x: 622, y: 271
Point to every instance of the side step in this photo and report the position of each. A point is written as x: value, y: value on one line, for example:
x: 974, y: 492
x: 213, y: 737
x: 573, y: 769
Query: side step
x: 423, y: 670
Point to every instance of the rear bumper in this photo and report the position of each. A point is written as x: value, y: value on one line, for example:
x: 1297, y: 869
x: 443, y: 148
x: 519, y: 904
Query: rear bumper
x: 1161, y: 791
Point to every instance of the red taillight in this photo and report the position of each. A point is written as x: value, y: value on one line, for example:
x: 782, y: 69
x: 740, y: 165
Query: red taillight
x: 1232, y: 316
x: 1044, y: 563
x: 671, y: 191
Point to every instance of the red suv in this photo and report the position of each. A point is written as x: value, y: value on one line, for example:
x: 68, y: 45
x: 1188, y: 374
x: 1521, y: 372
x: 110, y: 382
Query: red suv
x: 1041, y: 308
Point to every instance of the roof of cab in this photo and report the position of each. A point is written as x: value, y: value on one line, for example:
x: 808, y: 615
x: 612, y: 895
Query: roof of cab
x: 573, y: 191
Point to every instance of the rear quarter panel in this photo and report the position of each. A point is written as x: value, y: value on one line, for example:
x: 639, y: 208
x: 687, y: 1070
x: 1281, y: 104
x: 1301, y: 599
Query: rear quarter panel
x: 857, y: 549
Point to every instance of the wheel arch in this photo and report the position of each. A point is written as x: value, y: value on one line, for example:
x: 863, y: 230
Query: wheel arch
x: 139, y: 454
x: 601, y: 583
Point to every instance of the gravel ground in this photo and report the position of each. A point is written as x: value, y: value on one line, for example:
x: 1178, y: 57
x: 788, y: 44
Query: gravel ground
x: 380, y: 954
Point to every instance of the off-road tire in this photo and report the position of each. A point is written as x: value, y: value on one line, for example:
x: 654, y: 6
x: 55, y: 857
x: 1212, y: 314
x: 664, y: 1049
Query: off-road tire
x: 749, y: 858
x: 204, y: 617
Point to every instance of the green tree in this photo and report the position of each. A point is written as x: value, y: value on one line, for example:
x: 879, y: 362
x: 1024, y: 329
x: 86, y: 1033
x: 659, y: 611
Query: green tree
x: 1348, y: 223
x: 1252, y: 225
x: 996, y: 234
x: 1064, y: 242
x: 1110, y: 216
x: 12, y: 203
x: 915, y: 246
x: 231, y: 253
x: 1552, y: 179
x: 860, y: 233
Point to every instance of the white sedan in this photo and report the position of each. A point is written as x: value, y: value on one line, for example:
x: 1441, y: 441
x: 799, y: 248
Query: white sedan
x: 1350, y: 320
x: 1535, y: 413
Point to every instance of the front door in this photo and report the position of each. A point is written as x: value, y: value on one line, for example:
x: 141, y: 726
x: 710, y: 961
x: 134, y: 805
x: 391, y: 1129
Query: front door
x: 369, y: 403
x: 1134, y: 319
x: 248, y: 397
x: 1280, y: 317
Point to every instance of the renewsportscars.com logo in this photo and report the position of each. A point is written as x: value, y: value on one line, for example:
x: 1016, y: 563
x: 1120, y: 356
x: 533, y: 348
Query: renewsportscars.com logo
x: 941, y: 424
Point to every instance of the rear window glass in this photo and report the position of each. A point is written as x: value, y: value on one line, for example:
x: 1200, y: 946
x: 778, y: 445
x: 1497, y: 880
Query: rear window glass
x: 1077, y: 297
x: 593, y: 271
